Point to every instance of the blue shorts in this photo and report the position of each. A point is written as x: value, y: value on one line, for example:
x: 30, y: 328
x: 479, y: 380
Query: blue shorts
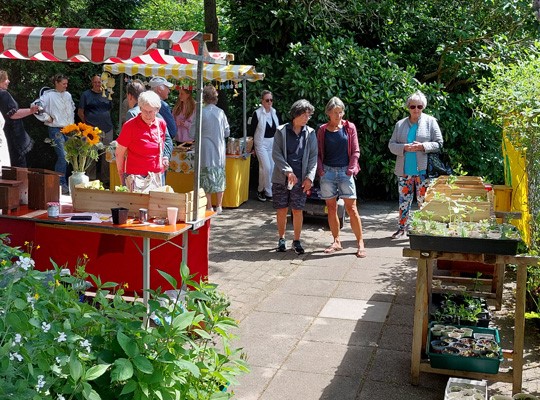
x: 285, y: 198
x: 336, y: 181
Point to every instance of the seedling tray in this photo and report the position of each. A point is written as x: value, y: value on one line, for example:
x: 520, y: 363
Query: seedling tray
x: 461, y: 363
x: 463, y: 245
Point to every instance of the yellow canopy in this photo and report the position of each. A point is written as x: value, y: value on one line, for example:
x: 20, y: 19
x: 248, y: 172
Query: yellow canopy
x: 211, y: 72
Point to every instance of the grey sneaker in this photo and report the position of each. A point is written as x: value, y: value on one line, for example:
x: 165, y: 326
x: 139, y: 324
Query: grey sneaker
x: 281, y: 245
x: 297, y: 246
x: 261, y: 196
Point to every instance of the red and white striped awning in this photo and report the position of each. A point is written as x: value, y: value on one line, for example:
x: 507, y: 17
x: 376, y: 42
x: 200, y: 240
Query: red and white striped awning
x: 97, y: 45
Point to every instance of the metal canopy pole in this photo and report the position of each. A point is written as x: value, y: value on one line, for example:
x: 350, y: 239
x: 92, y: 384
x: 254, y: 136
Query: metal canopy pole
x: 198, y: 123
x: 244, y: 110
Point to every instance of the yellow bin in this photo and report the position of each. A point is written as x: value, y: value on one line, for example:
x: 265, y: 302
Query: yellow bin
x: 503, y: 197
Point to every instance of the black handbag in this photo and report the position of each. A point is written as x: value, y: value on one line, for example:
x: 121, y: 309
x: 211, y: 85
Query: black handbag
x: 438, y: 164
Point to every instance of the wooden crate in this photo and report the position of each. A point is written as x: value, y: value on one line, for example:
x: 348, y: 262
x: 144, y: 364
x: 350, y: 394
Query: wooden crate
x: 103, y: 200
x: 18, y: 174
x: 442, y: 212
x: 159, y: 201
x: 156, y: 202
x: 43, y: 187
x: 9, y: 195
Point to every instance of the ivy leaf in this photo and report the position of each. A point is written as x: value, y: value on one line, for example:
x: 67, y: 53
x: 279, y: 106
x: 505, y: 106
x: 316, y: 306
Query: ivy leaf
x: 143, y: 364
x: 128, y: 344
x: 129, y: 387
x: 183, y: 320
x: 122, y: 370
x: 96, y: 371
x: 169, y: 278
x: 75, y: 367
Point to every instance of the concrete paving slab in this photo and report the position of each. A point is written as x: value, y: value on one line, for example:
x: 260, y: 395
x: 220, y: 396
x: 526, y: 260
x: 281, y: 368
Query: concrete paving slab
x: 367, y: 291
x: 294, y: 304
x: 275, y: 325
x: 315, y: 287
x: 329, y: 358
x: 344, y: 331
x: 355, y: 310
x: 268, y: 351
x: 252, y: 385
x: 293, y: 385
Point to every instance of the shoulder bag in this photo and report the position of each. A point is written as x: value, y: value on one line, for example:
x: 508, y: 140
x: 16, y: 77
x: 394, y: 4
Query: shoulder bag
x: 438, y: 164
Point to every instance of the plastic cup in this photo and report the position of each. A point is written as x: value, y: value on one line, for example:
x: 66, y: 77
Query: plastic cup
x: 172, y: 215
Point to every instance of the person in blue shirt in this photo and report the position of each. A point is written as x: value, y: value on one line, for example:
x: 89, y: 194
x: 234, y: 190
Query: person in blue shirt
x: 413, y: 137
x: 163, y: 87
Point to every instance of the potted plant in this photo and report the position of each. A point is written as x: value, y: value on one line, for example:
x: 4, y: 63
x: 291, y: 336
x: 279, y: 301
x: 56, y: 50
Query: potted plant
x: 55, y: 346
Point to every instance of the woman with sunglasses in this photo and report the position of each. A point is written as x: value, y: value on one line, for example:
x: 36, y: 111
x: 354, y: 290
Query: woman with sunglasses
x: 263, y: 125
x: 413, y: 137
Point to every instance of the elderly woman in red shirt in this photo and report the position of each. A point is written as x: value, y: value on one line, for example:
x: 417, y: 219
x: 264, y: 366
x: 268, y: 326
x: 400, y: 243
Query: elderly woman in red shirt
x: 139, y: 151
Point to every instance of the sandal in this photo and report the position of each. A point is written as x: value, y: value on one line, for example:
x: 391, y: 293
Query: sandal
x: 333, y: 248
x: 399, y: 233
x: 361, y: 253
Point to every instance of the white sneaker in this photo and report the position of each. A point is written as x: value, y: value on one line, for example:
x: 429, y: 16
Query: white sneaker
x: 219, y: 210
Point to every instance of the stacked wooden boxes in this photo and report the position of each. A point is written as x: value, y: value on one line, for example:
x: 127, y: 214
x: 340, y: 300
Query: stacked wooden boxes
x: 156, y: 202
x: 18, y: 174
x: 9, y: 195
x: 43, y: 187
x: 443, y: 199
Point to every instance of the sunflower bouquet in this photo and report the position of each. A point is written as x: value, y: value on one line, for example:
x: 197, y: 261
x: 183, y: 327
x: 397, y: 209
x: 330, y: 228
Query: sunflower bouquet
x: 83, y: 145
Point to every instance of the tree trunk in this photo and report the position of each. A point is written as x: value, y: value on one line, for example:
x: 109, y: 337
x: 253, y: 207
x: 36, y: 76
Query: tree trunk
x: 211, y: 26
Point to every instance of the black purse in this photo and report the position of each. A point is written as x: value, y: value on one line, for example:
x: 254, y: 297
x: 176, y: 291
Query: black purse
x: 438, y: 164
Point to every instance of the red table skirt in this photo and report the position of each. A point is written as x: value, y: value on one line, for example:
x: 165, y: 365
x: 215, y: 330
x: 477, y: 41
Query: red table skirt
x: 111, y: 257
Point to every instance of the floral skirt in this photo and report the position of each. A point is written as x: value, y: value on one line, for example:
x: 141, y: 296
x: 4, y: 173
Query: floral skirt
x: 213, y: 179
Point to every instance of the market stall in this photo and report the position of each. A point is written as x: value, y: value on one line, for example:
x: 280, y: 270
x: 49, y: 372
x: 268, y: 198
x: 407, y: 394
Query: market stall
x: 102, y: 46
x: 180, y: 175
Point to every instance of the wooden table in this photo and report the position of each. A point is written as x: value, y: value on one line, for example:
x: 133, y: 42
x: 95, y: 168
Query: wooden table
x: 37, y: 227
x: 421, y: 318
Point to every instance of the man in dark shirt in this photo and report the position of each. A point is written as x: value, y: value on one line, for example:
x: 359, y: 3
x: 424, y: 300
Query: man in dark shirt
x: 295, y: 164
x: 95, y: 110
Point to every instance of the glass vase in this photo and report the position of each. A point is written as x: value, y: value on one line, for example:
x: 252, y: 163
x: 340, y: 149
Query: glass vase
x: 76, y: 178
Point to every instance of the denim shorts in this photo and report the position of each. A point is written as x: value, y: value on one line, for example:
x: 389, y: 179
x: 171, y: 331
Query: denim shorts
x: 285, y: 198
x: 335, y: 181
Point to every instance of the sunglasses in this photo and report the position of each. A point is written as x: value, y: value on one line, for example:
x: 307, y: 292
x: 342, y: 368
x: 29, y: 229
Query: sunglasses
x: 418, y: 106
x: 268, y: 100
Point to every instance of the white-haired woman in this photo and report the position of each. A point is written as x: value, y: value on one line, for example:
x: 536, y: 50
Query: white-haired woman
x: 139, y: 150
x: 413, y: 137
x: 214, y: 130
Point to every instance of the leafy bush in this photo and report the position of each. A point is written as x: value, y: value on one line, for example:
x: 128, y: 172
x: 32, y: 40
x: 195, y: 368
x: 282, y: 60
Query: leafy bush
x: 55, y: 346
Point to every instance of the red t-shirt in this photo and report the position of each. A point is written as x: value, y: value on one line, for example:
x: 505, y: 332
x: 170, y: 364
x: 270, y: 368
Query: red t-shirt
x: 144, y: 145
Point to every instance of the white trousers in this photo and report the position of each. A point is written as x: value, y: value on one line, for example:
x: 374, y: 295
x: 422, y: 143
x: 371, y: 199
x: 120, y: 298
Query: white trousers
x: 263, y: 149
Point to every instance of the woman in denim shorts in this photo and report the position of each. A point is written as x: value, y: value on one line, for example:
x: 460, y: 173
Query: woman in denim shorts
x: 337, y: 165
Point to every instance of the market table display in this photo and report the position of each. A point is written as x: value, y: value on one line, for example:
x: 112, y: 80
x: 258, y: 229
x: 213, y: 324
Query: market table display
x: 180, y: 175
x: 114, y: 252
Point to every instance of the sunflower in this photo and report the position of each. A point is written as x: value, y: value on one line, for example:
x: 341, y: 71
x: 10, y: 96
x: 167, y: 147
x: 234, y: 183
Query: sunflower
x: 92, y: 135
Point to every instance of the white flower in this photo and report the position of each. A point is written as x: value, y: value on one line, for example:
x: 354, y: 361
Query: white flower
x: 17, y: 339
x: 86, y: 344
x: 40, y: 383
x: 60, y: 397
x: 61, y: 337
x: 15, y: 355
x: 45, y: 326
x: 25, y: 263
x: 58, y: 361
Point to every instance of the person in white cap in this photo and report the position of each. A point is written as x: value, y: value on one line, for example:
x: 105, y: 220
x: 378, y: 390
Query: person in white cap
x: 162, y: 87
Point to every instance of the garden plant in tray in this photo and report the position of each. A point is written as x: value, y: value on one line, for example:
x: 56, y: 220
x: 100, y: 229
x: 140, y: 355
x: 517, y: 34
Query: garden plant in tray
x: 53, y: 346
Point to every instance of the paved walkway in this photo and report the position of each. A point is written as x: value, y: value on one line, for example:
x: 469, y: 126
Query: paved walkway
x: 322, y: 326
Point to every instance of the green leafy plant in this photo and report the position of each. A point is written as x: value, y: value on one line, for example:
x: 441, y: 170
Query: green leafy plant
x: 55, y: 346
